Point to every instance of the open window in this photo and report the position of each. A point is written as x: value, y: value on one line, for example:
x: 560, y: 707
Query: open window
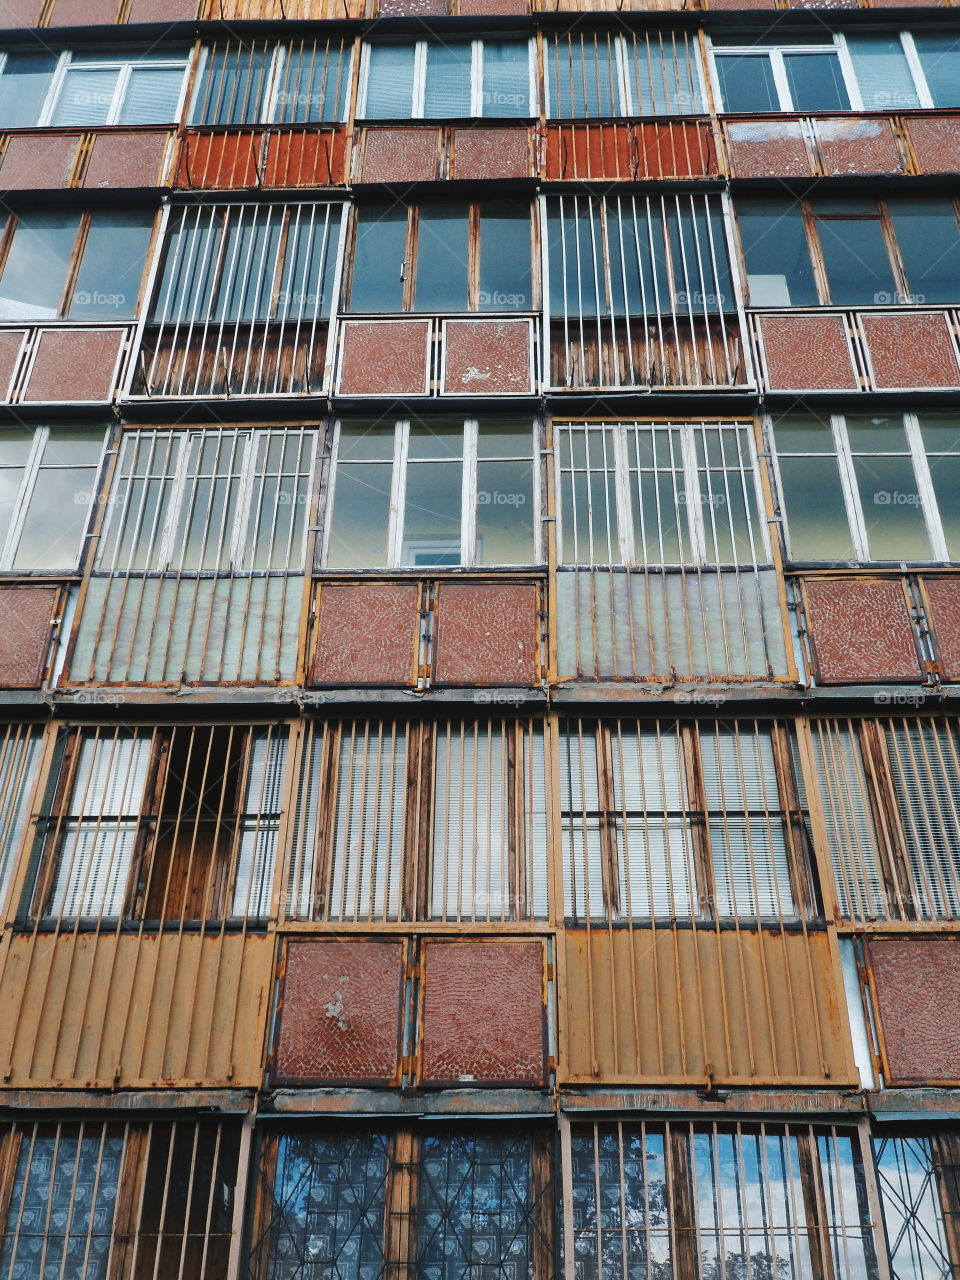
x: 593, y: 75
x: 448, y: 79
x: 255, y: 82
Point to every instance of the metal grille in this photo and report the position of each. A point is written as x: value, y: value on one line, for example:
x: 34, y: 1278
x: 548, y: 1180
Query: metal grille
x: 97, y: 1199
x: 303, y: 82
x: 640, y: 293
x: 438, y: 821
x: 597, y: 74
x: 19, y: 755
x: 161, y: 825
x: 243, y: 302
x: 908, y: 1173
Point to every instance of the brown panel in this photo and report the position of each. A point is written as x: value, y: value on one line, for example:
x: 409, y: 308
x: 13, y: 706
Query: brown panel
x: 105, y: 1010
x: 38, y: 162
x: 858, y: 146
x: 384, y: 357
x: 675, y: 149
x: 943, y: 597
x: 677, y: 1005
x: 916, y: 986
x: 936, y: 142
x: 219, y: 160
x: 490, y: 153
x: 20, y: 13
x: 84, y: 13
x: 912, y: 349
x: 162, y: 11
x: 27, y: 614
x: 302, y: 158
x: 11, y: 344
x: 367, y: 634
x: 808, y: 352
x: 742, y: 4
x: 486, y: 633
x: 760, y: 148
x: 400, y: 155
x: 861, y: 630
x: 411, y: 8
x: 75, y: 364
x: 581, y: 151
x: 488, y: 357
x: 341, y: 1013
x: 492, y: 8
x: 126, y: 160
x: 483, y: 1014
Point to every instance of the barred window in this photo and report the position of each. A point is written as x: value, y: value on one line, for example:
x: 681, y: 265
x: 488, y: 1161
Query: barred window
x: 436, y: 79
x: 19, y: 757
x: 917, y: 1176
x: 634, y: 74
x: 253, y: 82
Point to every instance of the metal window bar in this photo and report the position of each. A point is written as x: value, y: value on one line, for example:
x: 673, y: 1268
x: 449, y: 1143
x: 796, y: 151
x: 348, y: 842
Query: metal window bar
x: 243, y: 303
x: 19, y: 756
x: 638, y: 73
x: 640, y: 293
x: 257, y: 82
x: 909, y: 1169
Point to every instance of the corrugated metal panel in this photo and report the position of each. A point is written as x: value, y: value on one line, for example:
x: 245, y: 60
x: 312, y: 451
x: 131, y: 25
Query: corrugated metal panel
x: 861, y: 629
x: 665, y: 149
x: 687, y: 1005
x: 122, y: 1010
x: 483, y: 1014
x: 75, y: 365
x: 487, y: 634
x: 147, y: 630
x: 488, y: 357
x: 306, y: 158
x: 911, y: 349
x: 126, y: 160
x: 28, y: 614
x: 706, y: 624
x: 384, y: 357
x: 341, y: 1013
x: 914, y: 981
x: 943, y: 614
x: 806, y: 351
x: 480, y: 153
x: 36, y: 162
x: 367, y: 634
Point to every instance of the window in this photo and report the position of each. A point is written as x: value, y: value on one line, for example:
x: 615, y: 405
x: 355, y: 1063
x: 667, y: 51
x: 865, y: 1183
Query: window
x: 173, y: 824
x: 304, y: 82
x: 48, y: 481
x: 74, y: 266
x: 443, y: 821
x: 654, y: 493
x: 19, y: 757
x: 128, y: 87
x: 793, y: 77
x: 672, y: 820
x: 917, y: 1177
x: 433, y: 493
x: 437, y: 79
x: 443, y: 257
x: 598, y: 74
x: 870, y: 487
x: 854, y: 252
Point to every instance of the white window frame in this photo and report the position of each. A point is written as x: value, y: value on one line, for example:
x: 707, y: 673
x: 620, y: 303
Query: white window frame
x: 774, y: 53
x: 476, y: 80
x: 468, y: 498
x: 124, y: 65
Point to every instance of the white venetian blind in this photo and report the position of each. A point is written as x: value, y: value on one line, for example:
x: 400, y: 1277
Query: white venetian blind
x: 259, y: 824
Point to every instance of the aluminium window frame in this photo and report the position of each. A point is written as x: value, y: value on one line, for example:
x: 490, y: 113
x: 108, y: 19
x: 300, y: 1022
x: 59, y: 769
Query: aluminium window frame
x: 420, y: 81
x: 125, y: 66
x: 271, y: 89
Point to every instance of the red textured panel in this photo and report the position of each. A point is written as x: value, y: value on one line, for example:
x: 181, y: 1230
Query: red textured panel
x: 367, y: 634
x: 483, y: 1013
x: 490, y: 153
x: 84, y: 13
x: 20, y: 13
x: 219, y: 160
x: 304, y: 158
x: 489, y: 357
x: 760, y: 148
x: 861, y: 630
x: 162, y: 11
x: 486, y: 633
x: 916, y: 986
x: 27, y: 613
x: 807, y: 352
x: 492, y: 8
x: 400, y: 155
x: 384, y: 357
x: 75, y: 364
x: 936, y: 142
x: 11, y: 343
x: 858, y: 146
x: 38, y: 162
x: 911, y: 349
x: 126, y: 160
x: 742, y: 4
x: 411, y: 8
x: 943, y: 596
x: 341, y: 1012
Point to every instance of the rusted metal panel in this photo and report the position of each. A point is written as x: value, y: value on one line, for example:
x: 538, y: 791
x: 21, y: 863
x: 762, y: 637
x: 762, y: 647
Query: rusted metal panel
x: 341, y: 1013
x: 127, y: 160
x: 164, y: 630
x: 219, y: 161
x: 483, y: 1013
x: 162, y: 11
x: 689, y: 626
x: 83, y: 13
x: 758, y: 148
x: 936, y: 142
x: 661, y: 149
x: 481, y: 153
x: 858, y: 146
x: 113, y: 1010
x: 487, y: 633
x: 38, y: 162
x: 20, y: 13
x: 914, y: 982
x: 911, y: 349
x: 675, y: 1004
x: 367, y: 634
x: 861, y: 629
x: 675, y: 149
x: 27, y: 614
x: 400, y: 155
x: 807, y: 351
x: 306, y: 158
x: 11, y: 345
x: 488, y: 357
x: 384, y: 357
x: 943, y: 615
x: 75, y: 365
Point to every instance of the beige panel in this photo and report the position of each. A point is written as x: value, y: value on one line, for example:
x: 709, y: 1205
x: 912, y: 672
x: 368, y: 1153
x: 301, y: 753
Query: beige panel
x: 685, y: 1005
x: 99, y: 1010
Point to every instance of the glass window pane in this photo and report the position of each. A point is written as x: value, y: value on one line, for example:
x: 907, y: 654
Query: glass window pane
x: 882, y: 72
x: 108, y: 282
x: 816, y: 82
x: 390, y: 82
x: 505, y: 513
x: 23, y: 88
x: 941, y: 438
x: 36, y: 268
x: 378, y: 261
x: 442, y: 259
x: 817, y: 525
x: 506, y: 280
x: 360, y: 520
x: 892, y: 511
x: 314, y: 83
x: 431, y: 514
x: 16, y: 444
x: 447, y: 88
x: 746, y: 82
x: 779, y: 271
x: 929, y: 241
x: 86, y: 96
x: 61, y: 501
x: 582, y: 77
x: 233, y: 87
x: 506, y: 78
x: 662, y: 76
x: 940, y: 58
x: 152, y: 96
x: 857, y: 262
